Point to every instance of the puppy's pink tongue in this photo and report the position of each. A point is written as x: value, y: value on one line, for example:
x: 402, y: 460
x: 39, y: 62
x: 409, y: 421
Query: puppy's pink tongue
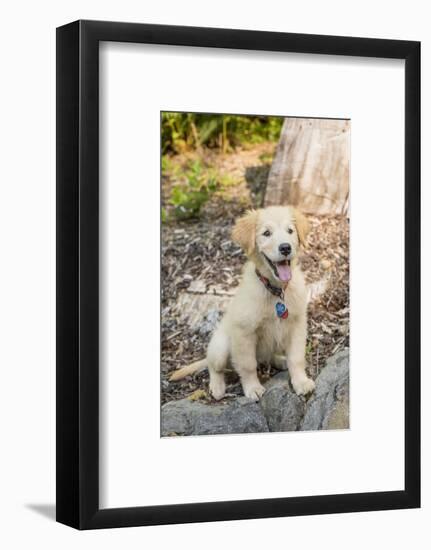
x: 284, y: 272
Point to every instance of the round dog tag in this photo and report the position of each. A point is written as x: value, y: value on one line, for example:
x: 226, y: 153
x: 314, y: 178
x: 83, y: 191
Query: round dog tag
x: 281, y: 310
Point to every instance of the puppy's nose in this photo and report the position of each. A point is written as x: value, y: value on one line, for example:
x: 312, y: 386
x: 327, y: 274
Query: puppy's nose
x: 285, y: 249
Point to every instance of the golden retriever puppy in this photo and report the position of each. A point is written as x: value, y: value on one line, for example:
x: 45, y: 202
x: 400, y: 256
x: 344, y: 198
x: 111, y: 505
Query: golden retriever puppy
x: 268, y: 314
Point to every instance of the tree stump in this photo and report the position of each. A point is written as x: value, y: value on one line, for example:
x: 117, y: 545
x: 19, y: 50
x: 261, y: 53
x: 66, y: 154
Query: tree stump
x: 311, y: 168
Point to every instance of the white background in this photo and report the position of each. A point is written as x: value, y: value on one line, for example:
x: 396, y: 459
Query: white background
x: 27, y: 404
x: 135, y: 461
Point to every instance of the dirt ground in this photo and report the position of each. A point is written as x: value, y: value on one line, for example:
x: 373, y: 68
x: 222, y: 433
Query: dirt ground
x: 198, y: 256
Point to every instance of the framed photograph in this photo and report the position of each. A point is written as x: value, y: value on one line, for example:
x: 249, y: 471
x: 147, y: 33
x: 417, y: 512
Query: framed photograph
x: 238, y: 274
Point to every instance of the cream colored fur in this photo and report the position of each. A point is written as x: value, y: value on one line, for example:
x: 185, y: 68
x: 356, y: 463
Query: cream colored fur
x: 250, y: 332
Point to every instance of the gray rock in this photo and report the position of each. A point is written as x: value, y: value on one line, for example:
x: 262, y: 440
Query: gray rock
x: 279, y: 410
x: 283, y: 409
x: 210, y: 322
x: 328, y: 408
x: 185, y: 417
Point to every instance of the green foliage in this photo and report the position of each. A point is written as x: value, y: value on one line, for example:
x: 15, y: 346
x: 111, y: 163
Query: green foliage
x: 189, y: 197
x: 266, y: 158
x: 166, y: 164
x: 182, y: 131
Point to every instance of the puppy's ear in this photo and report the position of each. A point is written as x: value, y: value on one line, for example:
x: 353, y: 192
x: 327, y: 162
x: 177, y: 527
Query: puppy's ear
x: 244, y: 231
x: 302, y: 226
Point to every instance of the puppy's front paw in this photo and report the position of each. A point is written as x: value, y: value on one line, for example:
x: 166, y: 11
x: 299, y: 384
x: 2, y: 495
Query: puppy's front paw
x: 254, y: 391
x: 303, y: 385
x: 217, y: 389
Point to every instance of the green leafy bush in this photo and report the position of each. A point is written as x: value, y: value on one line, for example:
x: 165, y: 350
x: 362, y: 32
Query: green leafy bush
x: 182, y: 131
x: 189, y: 196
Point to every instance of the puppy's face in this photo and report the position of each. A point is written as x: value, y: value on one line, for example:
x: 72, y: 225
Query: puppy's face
x: 271, y: 237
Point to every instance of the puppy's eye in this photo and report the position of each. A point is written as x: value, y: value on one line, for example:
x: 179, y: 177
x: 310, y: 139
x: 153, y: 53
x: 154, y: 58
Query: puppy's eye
x: 290, y: 230
x: 266, y: 233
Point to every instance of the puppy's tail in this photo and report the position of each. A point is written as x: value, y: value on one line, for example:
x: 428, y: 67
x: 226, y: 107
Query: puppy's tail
x: 193, y: 368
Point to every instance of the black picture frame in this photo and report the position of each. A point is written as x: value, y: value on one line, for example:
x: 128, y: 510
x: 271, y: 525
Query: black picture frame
x: 78, y: 273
